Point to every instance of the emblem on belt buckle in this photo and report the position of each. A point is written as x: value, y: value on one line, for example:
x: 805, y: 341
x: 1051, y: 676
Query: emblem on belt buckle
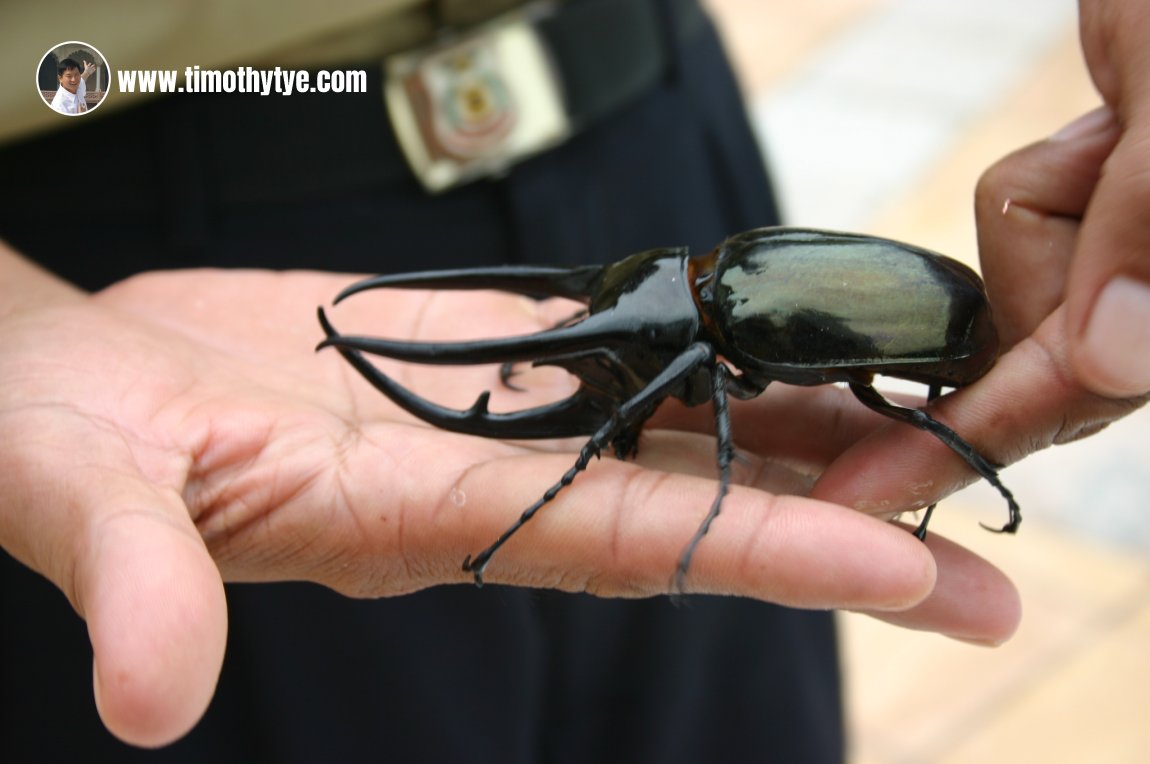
x: 476, y: 105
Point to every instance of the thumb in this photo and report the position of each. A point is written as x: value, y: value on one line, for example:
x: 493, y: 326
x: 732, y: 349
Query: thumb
x: 157, y: 619
x: 1108, y: 291
x: 130, y: 560
x: 1028, y: 207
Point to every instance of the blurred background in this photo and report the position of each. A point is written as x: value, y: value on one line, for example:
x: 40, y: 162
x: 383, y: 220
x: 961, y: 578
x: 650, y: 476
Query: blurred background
x: 879, y: 116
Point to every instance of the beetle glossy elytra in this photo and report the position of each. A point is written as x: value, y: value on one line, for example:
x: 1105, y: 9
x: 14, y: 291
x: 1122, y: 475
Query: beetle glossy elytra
x: 799, y: 306
x: 810, y: 307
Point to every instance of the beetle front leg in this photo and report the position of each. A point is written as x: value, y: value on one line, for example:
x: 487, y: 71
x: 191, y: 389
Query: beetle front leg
x: 629, y: 417
x: 592, y: 448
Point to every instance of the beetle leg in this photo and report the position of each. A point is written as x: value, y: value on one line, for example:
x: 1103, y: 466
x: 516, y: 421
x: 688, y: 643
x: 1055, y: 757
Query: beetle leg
x: 721, y: 379
x: 923, y: 421
x: 506, y: 372
x: 628, y: 417
x: 740, y: 386
x: 920, y: 532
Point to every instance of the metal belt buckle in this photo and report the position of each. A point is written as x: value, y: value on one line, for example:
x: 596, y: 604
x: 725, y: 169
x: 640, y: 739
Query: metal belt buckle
x: 473, y: 106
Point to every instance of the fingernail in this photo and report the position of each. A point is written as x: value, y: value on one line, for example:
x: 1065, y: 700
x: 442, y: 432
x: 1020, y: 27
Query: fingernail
x: 978, y: 641
x: 1089, y: 123
x: 1116, y: 344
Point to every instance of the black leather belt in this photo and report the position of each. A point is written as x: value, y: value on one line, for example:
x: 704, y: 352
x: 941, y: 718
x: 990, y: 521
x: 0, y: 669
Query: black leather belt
x: 476, y: 102
x: 605, y: 53
x: 609, y: 52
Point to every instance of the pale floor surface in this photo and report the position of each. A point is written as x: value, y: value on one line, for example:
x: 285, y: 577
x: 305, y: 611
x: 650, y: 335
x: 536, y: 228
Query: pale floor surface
x: 879, y: 115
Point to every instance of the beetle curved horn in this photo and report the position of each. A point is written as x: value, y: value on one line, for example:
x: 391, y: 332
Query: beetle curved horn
x: 587, y: 334
x: 531, y: 281
x: 578, y: 414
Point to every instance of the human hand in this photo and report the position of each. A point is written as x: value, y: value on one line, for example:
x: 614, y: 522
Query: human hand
x: 1058, y: 222
x: 176, y: 430
x: 1107, y: 280
x: 89, y: 67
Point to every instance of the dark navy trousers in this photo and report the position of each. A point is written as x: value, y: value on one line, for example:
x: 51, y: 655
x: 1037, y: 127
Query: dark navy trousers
x: 454, y: 673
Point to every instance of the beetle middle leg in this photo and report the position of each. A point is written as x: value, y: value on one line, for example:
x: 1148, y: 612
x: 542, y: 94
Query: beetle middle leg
x: 923, y: 421
x: 721, y: 383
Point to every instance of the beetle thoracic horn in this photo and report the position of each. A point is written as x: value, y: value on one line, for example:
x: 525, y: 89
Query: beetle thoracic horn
x: 580, y: 413
x: 532, y: 281
x: 587, y: 334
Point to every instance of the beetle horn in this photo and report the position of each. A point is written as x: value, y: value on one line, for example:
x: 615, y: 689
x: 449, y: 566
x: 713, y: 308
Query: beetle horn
x: 532, y: 281
x: 578, y: 414
x: 588, y: 333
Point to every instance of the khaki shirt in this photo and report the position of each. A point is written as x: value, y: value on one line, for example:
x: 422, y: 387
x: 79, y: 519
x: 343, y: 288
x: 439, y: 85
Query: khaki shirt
x: 211, y: 34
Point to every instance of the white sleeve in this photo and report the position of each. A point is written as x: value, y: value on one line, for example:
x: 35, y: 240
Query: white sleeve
x: 59, y: 101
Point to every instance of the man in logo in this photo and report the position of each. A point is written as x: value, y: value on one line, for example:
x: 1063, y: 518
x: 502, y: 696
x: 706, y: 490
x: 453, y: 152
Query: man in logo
x: 69, y: 99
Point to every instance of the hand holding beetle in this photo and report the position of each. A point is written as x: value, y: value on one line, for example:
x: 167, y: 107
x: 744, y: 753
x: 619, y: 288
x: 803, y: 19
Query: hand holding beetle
x: 176, y: 430
x: 1064, y: 239
x: 1108, y: 282
x: 1063, y: 223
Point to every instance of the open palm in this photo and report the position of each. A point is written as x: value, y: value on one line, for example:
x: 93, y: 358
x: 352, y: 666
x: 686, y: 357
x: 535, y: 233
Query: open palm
x: 178, y: 430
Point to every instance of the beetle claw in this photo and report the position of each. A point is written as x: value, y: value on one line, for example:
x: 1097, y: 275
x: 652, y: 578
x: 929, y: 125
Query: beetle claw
x: 506, y: 372
x: 475, y: 568
x: 920, y: 531
x: 1011, y: 527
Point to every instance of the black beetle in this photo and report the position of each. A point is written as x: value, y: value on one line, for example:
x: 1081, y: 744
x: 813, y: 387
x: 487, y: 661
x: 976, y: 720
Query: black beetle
x: 799, y: 306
